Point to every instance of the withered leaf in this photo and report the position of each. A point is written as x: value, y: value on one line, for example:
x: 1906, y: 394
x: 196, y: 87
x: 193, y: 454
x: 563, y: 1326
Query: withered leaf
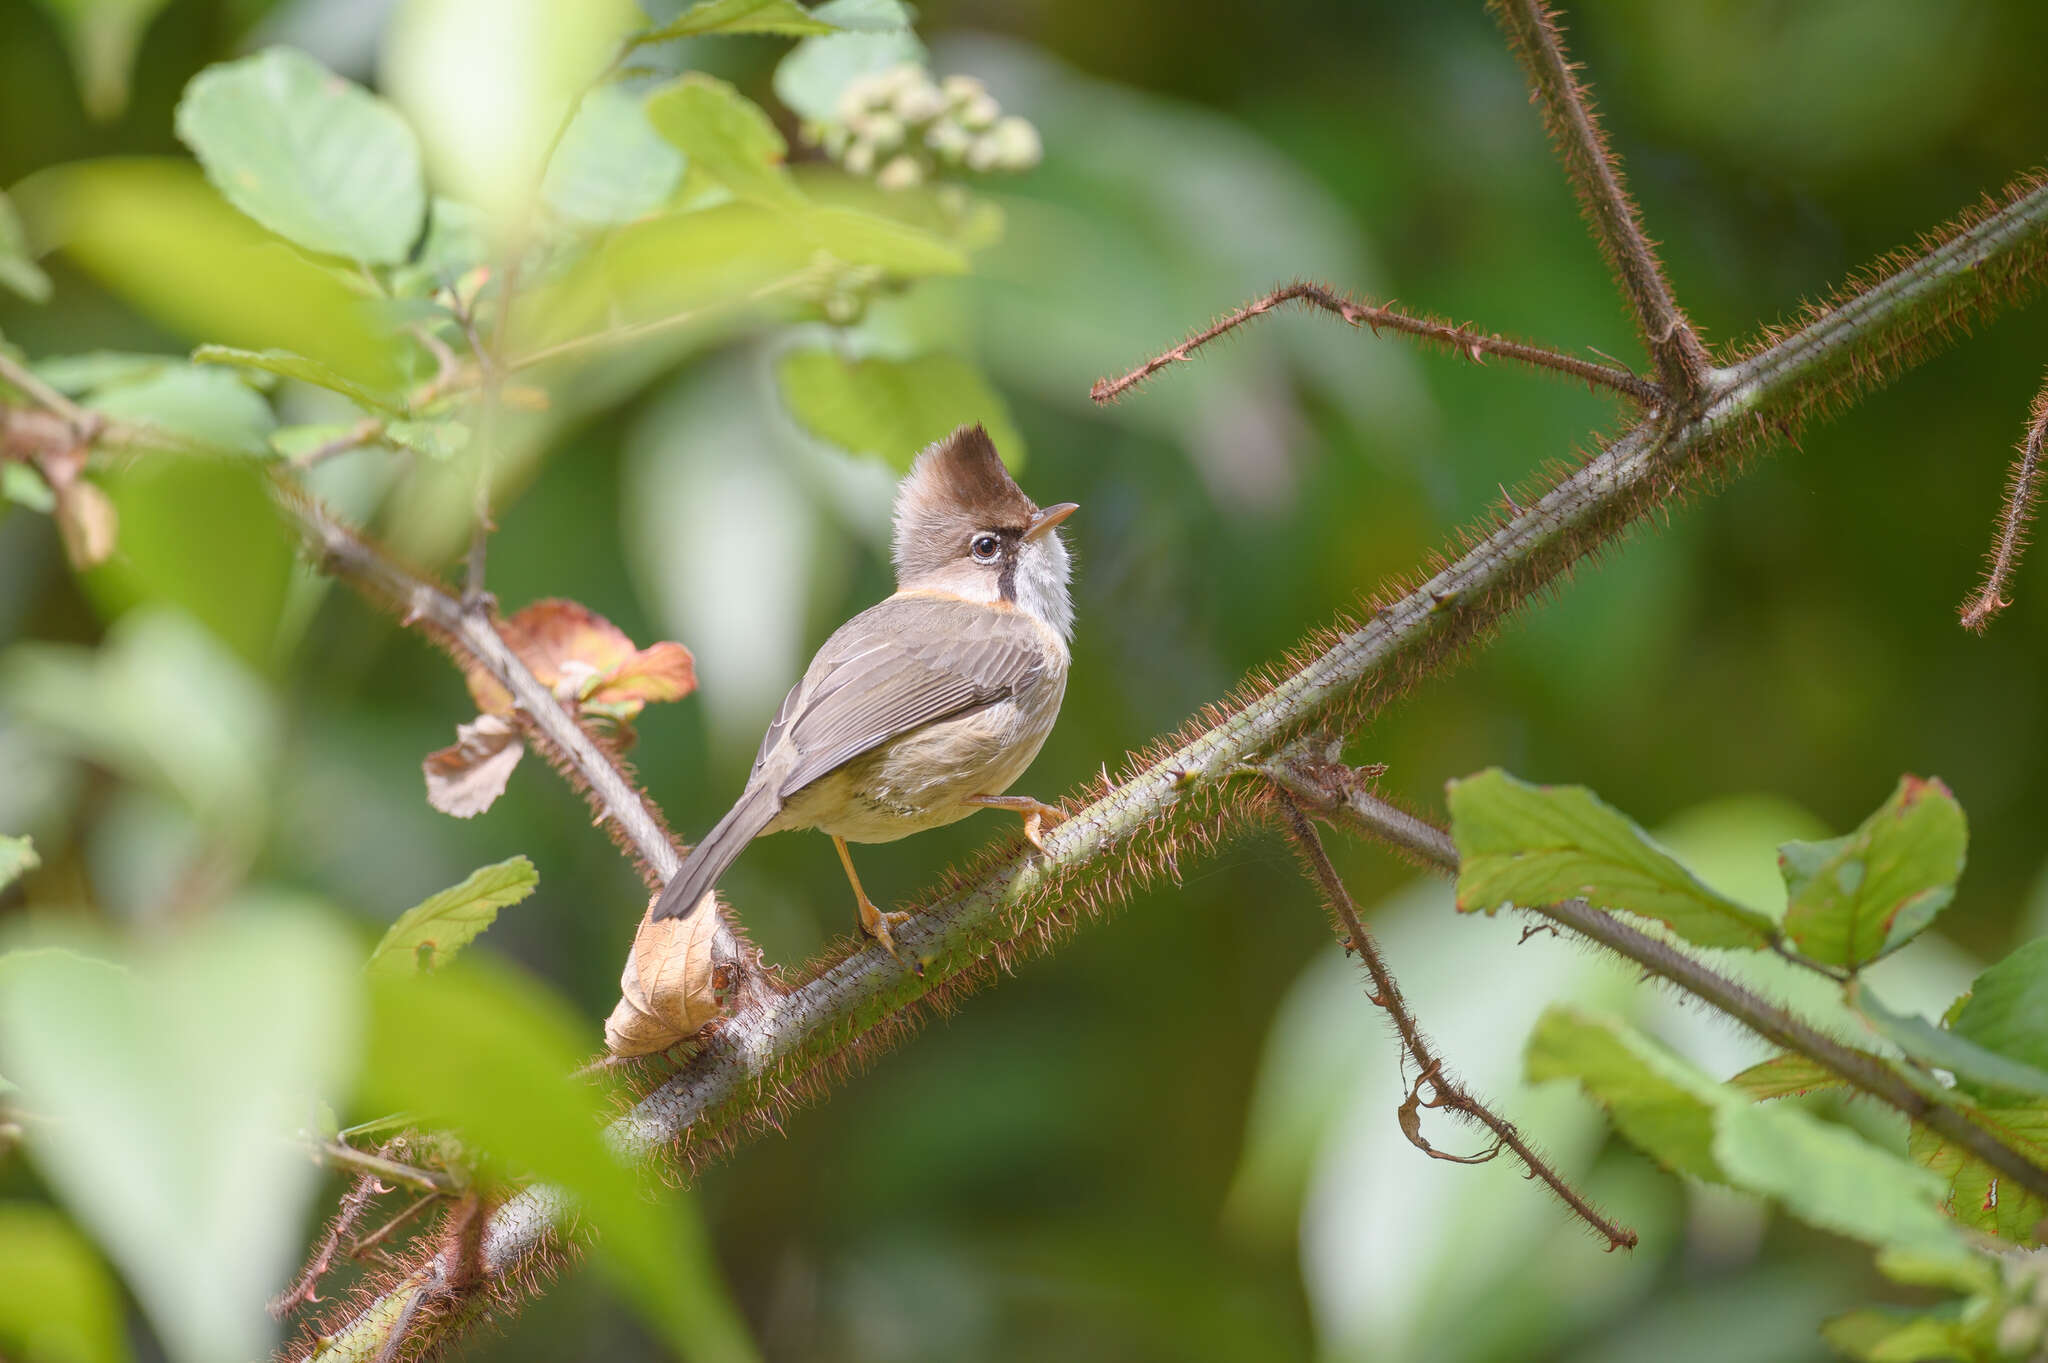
x: 569, y: 647
x: 86, y: 520
x: 667, y: 991
x: 466, y: 779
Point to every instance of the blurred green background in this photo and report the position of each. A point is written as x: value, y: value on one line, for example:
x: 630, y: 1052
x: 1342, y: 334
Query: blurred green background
x: 1176, y: 1138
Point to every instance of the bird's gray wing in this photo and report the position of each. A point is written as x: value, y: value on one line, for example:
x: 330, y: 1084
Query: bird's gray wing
x: 895, y: 667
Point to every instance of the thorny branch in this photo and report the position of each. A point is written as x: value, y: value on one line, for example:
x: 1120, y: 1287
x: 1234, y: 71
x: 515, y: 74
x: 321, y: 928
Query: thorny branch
x: 2015, y: 518
x: 1446, y: 1092
x: 1683, y: 365
x: 1459, y: 340
x: 1332, y: 791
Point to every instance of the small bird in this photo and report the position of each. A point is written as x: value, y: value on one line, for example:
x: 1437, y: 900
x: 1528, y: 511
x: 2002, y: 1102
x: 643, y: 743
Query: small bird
x: 926, y: 706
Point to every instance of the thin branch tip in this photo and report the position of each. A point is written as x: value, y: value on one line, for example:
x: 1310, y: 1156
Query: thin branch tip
x: 2014, y: 524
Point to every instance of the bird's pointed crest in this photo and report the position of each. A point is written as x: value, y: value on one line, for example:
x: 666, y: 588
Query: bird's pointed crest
x: 956, y: 487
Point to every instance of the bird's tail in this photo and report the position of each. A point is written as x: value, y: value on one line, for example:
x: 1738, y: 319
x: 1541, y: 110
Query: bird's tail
x: 720, y: 848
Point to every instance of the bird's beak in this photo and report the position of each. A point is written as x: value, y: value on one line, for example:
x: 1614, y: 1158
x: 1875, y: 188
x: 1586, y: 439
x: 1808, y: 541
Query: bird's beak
x: 1048, y: 518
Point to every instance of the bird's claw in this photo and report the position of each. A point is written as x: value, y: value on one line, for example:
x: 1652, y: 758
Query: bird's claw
x: 877, y: 923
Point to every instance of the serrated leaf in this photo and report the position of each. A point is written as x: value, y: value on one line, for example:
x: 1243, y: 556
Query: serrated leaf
x: 567, y: 642
x: 17, y: 858
x: 1976, y: 1066
x: 313, y: 157
x: 209, y: 407
x: 1785, y: 1075
x: 2007, y: 1011
x: 784, y: 17
x: 891, y: 409
x: 1978, y: 1196
x: 1857, y: 897
x: 427, y: 935
x: 17, y: 271
x: 817, y: 71
x: 1527, y: 844
x: 726, y: 136
x: 1824, y: 1174
x: 611, y: 166
x: 287, y: 365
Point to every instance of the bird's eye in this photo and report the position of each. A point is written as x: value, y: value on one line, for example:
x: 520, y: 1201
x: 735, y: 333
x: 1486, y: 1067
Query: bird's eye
x: 985, y: 548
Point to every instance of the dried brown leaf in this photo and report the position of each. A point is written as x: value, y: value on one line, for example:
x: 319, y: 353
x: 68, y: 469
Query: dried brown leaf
x: 87, y: 522
x: 569, y: 647
x: 667, y: 992
x: 466, y: 779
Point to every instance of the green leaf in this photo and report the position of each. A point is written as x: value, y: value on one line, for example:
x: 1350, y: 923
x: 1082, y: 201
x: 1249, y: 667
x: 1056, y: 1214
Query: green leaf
x: 22, y: 485
x: 58, y: 1303
x: 316, y: 159
x: 1977, y: 1195
x: 78, y: 375
x: 434, y: 439
x: 17, y: 858
x: 1894, y: 1334
x: 17, y: 271
x: 1948, y: 1049
x: 1824, y: 1174
x: 155, y: 233
x: 2007, y: 1010
x: 427, y: 935
x: 287, y: 365
x: 1526, y: 844
x: 1854, y: 898
x: 103, y: 36
x: 891, y: 409
x: 611, y: 166
x: 490, y: 1052
x: 209, y: 407
x: 784, y: 17
x: 1785, y: 1075
x: 727, y: 136
x: 167, y: 1094
x: 817, y: 71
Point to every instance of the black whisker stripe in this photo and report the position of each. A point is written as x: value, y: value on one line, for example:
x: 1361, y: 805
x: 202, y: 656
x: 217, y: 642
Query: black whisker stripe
x: 1013, y: 547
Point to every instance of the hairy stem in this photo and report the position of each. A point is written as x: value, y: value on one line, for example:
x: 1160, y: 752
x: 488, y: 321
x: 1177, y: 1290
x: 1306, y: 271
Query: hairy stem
x: 1331, y: 792
x: 1458, y: 340
x: 2015, y: 517
x: 1531, y: 26
x: 1449, y: 1094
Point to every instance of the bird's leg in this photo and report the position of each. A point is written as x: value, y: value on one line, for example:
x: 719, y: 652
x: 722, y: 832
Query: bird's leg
x: 1036, y: 813
x: 873, y: 921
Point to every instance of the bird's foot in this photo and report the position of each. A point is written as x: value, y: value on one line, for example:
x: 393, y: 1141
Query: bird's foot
x: 877, y: 923
x: 1037, y: 813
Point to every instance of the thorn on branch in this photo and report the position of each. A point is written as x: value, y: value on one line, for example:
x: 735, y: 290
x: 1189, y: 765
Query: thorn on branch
x: 1458, y: 340
x: 2015, y: 519
x: 1595, y: 172
x: 1445, y: 1092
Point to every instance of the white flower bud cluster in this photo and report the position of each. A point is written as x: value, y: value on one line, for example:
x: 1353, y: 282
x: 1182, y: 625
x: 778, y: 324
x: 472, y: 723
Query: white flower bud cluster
x: 902, y: 128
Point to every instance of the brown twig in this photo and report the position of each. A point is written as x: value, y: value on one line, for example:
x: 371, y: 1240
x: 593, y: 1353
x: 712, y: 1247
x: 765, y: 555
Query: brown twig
x: 1329, y: 790
x: 379, y: 1165
x: 2015, y: 518
x: 364, y: 432
x: 1447, y: 1093
x: 353, y: 1204
x: 1681, y: 357
x: 358, y: 1248
x: 1457, y: 339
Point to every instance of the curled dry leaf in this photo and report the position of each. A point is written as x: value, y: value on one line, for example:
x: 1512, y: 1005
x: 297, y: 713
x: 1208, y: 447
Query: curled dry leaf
x: 466, y: 779
x: 575, y: 652
x: 667, y: 992
x: 87, y: 522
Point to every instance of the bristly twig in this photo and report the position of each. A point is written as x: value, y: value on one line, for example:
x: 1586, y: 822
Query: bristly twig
x: 353, y: 1204
x: 1447, y: 1092
x: 1681, y: 357
x: 1459, y: 340
x: 1329, y: 789
x: 2015, y: 518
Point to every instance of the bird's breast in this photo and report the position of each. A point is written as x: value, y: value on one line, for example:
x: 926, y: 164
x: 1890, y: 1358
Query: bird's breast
x: 924, y: 778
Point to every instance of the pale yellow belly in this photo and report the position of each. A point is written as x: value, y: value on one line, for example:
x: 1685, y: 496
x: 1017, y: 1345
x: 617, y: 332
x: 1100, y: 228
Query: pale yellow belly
x: 923, y: 779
